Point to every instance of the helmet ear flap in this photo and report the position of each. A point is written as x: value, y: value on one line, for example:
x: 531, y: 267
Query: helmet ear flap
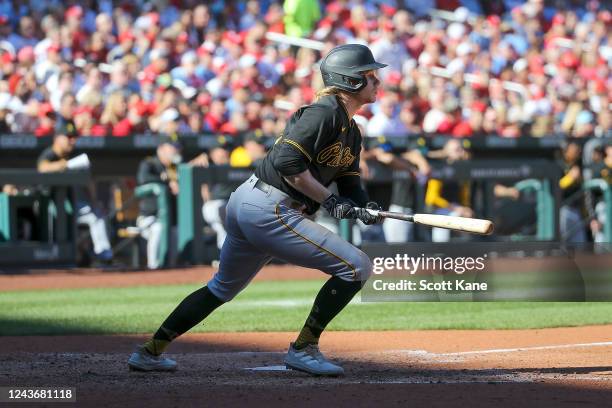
x: 343, y: 82
x: 352, y: 82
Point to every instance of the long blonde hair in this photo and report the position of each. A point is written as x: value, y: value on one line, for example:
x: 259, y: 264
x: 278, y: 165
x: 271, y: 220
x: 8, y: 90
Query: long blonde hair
x: 328, y: 90
x: 110, y: 114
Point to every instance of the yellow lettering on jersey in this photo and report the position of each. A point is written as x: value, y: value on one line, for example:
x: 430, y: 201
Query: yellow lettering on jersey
x: 336, y: 155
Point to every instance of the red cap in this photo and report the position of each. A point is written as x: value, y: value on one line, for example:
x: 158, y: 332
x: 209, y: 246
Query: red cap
x: 44, y: 109
x: 183, y: 37
x: 494, y: 20
x: 600, y: 86
x: 479, y: 106
x: 232, y: 36
x: 463, y: 129
x: 569, y: 60
x: 204, y: 99
x: 6, y: 57
x: 605, y: 16
x: 334, y: 8
x: 3, y: 19
x: 54, y: 48
x: 73, y: 11
x: 289, y: 65
x: 558, y: 19
x: 388, y: 10
x: 126, y: 36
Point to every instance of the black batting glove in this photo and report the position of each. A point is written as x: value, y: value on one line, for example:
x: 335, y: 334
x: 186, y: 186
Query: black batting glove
x: 339, y: 207
x: 367, y: 218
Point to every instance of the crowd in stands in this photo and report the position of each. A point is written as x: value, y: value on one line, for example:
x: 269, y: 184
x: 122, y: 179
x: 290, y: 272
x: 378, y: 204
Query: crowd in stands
x: 116, y: 68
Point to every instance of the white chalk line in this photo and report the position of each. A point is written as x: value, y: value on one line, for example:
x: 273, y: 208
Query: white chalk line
x: 519, y: 349
x: 415, y: 353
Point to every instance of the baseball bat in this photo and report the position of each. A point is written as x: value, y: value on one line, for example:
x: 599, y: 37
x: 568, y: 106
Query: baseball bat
x: 473, y: 225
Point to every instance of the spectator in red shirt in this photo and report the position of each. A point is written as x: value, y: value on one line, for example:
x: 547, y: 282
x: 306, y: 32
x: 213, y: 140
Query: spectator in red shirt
x: 46, y: 124
x: 114, y: 111
x: 215, y: 117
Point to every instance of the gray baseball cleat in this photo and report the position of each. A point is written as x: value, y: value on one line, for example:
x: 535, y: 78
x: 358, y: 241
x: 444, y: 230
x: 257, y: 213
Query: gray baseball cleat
x: 311, y: 361
x: 142, y: 360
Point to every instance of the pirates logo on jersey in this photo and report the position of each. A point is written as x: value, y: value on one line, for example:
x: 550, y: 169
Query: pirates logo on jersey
x: 336, y: 155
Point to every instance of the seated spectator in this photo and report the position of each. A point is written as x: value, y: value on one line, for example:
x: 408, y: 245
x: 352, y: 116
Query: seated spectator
x: 46, y: 123
x: 114, y: 112
x: 519, y: 65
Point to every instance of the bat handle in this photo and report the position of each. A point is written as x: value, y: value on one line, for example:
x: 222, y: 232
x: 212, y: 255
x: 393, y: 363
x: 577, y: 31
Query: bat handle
x: 397, y: 216
x: 375, y: 213
x: 387, y: 214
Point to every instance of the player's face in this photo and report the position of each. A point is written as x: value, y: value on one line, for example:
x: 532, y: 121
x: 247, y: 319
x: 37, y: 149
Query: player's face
x: 368, y: 93
x: 65, y: 143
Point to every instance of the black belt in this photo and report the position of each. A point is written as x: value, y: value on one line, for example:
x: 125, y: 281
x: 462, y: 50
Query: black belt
x: 290, y: 202
x: 263, y: 186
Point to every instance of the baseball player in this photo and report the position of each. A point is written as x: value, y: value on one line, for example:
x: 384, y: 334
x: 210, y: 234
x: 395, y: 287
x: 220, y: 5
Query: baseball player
x: 266, y: 215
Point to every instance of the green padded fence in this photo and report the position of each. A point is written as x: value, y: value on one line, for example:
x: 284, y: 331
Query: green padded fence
x: 545, y: 207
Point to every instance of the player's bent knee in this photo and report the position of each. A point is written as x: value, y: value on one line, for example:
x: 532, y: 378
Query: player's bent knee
x: 360, y: 267
x: 221, y: 291
x: 364, y: 267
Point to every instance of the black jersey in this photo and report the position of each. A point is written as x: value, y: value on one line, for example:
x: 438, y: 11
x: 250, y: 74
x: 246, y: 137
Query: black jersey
x: 318, y: 137
x: 49, y: 155
x: 151, y: 170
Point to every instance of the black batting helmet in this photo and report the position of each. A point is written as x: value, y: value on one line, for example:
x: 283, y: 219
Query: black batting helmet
x: 344, y: 66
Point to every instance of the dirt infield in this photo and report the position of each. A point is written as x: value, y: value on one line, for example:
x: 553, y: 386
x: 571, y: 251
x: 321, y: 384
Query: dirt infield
x: 503, y: 368
x: 549, y: 367
x: 92, y: 278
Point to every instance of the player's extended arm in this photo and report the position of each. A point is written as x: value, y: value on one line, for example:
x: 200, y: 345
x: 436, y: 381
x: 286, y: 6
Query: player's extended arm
x: 306, y: 184
x: 46, y: 166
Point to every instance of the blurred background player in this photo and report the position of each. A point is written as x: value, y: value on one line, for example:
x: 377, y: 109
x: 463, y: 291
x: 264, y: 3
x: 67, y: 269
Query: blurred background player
x: 161, y: 168
x: 216, y: 194
x: 601, y: 168
x: 449, y: 197
x: 55, y: 159
x: 571, y: 224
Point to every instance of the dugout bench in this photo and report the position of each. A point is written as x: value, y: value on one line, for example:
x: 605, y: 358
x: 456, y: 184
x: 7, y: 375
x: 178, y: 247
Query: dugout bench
x: 51, y: 197
x: 483, y: 173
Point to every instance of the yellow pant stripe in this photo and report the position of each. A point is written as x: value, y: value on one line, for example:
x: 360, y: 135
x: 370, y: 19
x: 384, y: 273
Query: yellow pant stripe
x: 278, y: 215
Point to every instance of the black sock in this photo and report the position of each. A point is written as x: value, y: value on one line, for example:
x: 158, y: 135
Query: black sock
x: 191, y: 311
x: 331, y: 299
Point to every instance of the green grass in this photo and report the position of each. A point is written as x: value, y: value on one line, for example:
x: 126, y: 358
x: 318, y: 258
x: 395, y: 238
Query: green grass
x: 267, y: 306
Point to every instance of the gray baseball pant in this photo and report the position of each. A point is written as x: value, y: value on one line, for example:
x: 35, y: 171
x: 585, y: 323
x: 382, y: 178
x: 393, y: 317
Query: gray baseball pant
x: 262, y: 225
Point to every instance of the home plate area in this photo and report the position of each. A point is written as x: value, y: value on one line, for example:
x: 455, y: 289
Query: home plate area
x: 455, y: 371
